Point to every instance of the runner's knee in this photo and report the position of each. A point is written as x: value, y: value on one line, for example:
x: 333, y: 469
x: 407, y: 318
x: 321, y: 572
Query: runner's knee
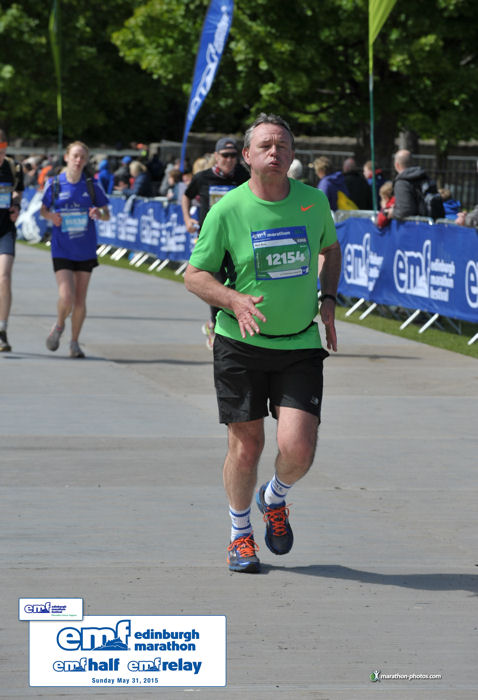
x: 299, y: 453
x: 246, y: 449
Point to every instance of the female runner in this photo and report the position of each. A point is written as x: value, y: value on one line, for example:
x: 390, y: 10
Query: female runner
x: 73, y: 202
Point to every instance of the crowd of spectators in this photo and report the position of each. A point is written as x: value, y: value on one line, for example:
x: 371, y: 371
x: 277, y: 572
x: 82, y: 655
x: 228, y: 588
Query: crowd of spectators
x: 349, y: 187
x: 407, y: 195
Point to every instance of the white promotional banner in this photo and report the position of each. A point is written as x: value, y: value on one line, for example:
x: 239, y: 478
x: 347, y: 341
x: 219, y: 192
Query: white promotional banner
x: 50, y: 609
x: 133, y: 651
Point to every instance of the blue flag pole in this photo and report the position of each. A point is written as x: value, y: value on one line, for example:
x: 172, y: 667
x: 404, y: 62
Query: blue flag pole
x: 211, y: 46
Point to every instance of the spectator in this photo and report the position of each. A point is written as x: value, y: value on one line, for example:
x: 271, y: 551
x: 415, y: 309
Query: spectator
x: 186, y: 178
x: 295, y: 170
x: 156, y: 170
x: 470, y: 218
x: 368, y: 175
x: 45, y: 168
x: 173, y: 164
x: 333, y: 184
x: 105, y: 176
x: 121, y: 185
x: 174, y: 179
x: 30, y: 172
x: 124, y: 167
x: 357, y: 185
x: 27, y: 173
x: 203, y: 163
x: 142, y: 149
x: 387, y: 201
x: 451, y: 206
x: 142, y: 180
x: 406, y: 186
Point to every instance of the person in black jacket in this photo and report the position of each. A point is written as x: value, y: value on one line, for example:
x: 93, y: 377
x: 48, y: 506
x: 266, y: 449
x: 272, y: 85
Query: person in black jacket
x: 210, y: 186
x: 357, y: 185
x: 406, y: 186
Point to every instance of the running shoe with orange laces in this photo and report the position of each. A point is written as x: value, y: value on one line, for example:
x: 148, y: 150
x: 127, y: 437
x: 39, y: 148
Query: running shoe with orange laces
x: 241, y: 555
x: 279, y: 537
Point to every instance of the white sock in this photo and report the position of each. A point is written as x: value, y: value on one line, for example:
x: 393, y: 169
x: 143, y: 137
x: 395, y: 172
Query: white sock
x: 276, y: 491
x: 3, y: 325
x: 240, y: 523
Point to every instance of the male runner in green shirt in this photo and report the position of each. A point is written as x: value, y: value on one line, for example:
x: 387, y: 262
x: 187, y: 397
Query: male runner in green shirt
x: 268, y: 355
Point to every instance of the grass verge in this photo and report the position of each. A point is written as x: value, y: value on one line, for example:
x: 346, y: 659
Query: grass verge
x: 437, y: 337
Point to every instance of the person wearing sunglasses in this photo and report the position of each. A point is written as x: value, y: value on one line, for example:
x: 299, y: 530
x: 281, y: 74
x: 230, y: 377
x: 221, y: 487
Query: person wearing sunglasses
x: 209, y: 186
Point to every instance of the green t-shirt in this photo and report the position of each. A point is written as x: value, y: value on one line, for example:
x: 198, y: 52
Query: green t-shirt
x: 271, y: 249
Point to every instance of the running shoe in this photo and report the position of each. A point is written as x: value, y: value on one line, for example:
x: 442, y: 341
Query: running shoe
x: 241, y: 555
x: 75, y: 350
x: 279, y: 537
x: 4, y: 344
x: 53, y: 340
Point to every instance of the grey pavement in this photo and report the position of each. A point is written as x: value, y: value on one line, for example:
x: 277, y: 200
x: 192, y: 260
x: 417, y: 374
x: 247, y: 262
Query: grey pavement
x: 112, y: 491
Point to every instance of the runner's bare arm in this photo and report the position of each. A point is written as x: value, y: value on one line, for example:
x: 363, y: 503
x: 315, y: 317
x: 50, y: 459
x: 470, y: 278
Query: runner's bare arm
x: 329, y: 281
x: 191, y: 224
x: 15, y: 207
x: 99, y: 213
x: 53, y: 216
x: 244, y: 306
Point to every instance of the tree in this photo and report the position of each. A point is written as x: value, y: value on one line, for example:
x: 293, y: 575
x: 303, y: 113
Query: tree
x: 104, y: 98
x: 308, y: 61
x: 128, y: 69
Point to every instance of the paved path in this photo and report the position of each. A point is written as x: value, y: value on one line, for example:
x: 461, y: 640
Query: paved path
x: 111, y: 491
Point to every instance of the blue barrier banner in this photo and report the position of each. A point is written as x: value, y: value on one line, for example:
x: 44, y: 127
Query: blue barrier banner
x: 145, y: 225
x: 30, y: 225
x: 408, y: 264
x: 412, y: 265
x: 213, y: 39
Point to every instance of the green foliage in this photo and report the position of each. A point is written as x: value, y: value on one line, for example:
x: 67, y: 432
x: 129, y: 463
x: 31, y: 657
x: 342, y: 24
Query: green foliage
x: 128, y: 65
x: 104, y: 99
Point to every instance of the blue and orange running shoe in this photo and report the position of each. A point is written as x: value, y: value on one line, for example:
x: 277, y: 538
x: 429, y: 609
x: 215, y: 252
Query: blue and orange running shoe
x: 279, y: 537
x: 241, y: 555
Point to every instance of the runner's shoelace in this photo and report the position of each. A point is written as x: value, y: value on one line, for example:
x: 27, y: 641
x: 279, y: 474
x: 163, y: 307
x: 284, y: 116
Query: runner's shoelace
x: 277, y: 517
x: 246, y: 546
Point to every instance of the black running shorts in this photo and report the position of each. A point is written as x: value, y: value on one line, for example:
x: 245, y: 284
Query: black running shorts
x: 75, y: 265
x: 7, y: 243
x: 251, y: 381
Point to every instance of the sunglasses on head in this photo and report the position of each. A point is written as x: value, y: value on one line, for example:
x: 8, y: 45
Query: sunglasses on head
x: 228, y: 155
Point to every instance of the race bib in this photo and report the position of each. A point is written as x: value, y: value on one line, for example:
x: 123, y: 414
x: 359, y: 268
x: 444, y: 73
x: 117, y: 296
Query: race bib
x: 281, y: 252
x: 5, y: 195
x: 217, y: 192
x: 74, y: 222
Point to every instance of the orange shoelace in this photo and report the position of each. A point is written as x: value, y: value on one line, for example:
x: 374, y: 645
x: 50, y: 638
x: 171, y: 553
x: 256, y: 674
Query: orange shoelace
x: 277, y: 518
x: 246, y: 546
